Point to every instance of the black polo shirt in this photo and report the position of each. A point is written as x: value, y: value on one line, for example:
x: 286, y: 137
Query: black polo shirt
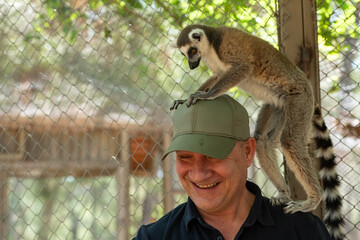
x: 264, y: 222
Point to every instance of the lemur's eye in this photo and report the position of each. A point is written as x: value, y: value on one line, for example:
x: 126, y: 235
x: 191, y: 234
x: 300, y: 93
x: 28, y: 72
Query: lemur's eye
x: 192, y: 51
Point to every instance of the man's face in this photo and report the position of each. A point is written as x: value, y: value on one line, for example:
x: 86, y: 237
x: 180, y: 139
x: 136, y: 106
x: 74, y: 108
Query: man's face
x: 214, y: 185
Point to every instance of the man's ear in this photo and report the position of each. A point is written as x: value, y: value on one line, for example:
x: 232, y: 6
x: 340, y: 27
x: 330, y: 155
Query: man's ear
x: 250, y: 147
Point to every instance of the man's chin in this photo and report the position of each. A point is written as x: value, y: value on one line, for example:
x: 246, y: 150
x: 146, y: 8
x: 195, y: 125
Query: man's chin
x: 206, y: 204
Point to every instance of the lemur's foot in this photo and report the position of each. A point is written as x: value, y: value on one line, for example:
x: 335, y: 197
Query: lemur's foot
x: 176, y: 104
x: 296, y: 206
x: 280, y: 200
x: 302, y: 206
x: 197, y: 96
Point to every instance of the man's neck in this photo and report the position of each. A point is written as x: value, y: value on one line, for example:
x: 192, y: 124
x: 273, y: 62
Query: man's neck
x: 228, y: 222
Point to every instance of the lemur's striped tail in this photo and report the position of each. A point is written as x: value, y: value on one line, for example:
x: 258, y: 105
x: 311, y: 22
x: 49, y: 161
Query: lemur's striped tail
x: 333, y: 218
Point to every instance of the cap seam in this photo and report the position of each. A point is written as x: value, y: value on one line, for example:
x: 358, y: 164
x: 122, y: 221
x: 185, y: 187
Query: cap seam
x: 194, y: 118
x: 233, y: 116
x: 206, y: 133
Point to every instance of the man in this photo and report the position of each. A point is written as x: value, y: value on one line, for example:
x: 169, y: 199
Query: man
x: 213, y: 151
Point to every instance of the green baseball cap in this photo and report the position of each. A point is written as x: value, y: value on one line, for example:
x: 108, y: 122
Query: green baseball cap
x: 210, y: 127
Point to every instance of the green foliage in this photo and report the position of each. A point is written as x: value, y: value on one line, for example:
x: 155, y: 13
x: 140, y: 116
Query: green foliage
x: 178, y: 13
x: 337, y: 20
x: 65, y: 14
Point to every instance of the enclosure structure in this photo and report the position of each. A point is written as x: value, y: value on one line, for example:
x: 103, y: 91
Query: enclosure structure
x: 50, y: 146
x: 84, y: 106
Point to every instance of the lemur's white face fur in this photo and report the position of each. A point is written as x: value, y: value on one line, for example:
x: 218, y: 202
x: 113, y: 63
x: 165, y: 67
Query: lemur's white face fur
x: 193, y: 51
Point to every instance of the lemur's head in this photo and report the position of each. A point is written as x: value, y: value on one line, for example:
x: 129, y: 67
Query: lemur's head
x: 192, y: 43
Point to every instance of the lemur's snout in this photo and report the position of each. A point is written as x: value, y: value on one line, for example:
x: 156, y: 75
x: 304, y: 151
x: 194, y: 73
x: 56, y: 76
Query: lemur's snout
x: 194, y: 65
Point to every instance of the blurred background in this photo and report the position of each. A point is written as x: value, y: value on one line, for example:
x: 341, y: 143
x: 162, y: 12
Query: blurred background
x: 85, y: 91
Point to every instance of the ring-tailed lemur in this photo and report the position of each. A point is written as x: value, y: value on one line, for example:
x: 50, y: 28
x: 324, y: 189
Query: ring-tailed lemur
x: 238, y: 58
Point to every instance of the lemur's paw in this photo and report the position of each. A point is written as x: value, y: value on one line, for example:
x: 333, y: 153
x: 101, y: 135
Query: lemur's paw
x: 196, y: 96
x: 176, y: 104
x: 299, y: 206
x: 280, y: 200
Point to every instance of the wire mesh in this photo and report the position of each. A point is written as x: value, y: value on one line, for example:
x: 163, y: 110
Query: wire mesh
x: 339, y: 71
x: 86, y: 87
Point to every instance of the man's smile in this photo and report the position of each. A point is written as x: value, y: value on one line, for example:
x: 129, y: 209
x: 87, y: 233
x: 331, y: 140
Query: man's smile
x: 206, y: 186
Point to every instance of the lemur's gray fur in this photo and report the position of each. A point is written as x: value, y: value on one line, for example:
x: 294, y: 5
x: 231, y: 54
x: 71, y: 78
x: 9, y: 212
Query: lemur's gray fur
x: 286, y: 118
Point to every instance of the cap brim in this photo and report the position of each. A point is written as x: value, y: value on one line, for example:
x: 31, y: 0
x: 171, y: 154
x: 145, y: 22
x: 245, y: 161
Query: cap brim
x: 212, y: 146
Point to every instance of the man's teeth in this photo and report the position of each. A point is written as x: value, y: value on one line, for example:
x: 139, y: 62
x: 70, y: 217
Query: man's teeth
x: 206, y: 186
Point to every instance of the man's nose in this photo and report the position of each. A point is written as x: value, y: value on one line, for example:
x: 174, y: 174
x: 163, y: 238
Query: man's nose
x: 200, y: 169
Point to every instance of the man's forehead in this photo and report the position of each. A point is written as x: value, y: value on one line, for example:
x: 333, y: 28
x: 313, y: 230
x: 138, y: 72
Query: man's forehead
x: 192, y: 154
x: 184, y: 152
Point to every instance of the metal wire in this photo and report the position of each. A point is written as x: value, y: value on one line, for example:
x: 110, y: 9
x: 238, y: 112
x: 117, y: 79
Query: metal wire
x: 85, y: 90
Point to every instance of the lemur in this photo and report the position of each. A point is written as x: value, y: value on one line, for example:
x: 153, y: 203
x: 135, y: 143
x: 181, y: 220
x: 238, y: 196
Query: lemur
x: 286, y: 119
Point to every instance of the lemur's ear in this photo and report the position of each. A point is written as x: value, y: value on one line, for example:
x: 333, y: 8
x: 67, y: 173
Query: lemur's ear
x: 196, y: 35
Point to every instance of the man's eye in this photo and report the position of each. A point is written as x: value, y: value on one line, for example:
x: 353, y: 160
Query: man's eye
x: 183, y: 156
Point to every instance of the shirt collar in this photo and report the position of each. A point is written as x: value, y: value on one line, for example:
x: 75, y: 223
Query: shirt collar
x: 191, y: 213
x: 258, y: 212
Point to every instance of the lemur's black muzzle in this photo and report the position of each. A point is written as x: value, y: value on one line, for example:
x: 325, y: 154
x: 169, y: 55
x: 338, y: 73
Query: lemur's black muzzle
x: 195, y: 64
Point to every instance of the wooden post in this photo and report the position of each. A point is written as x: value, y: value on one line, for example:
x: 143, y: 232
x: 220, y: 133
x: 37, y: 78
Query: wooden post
x: 3, y: 203
x: 298, y: 40
x: 122, y: 178
x: 297, y: 32
x: 167, y: 185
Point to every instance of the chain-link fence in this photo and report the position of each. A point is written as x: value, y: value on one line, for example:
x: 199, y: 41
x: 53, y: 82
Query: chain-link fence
x: 339, y: 73
x: 86, y: 87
